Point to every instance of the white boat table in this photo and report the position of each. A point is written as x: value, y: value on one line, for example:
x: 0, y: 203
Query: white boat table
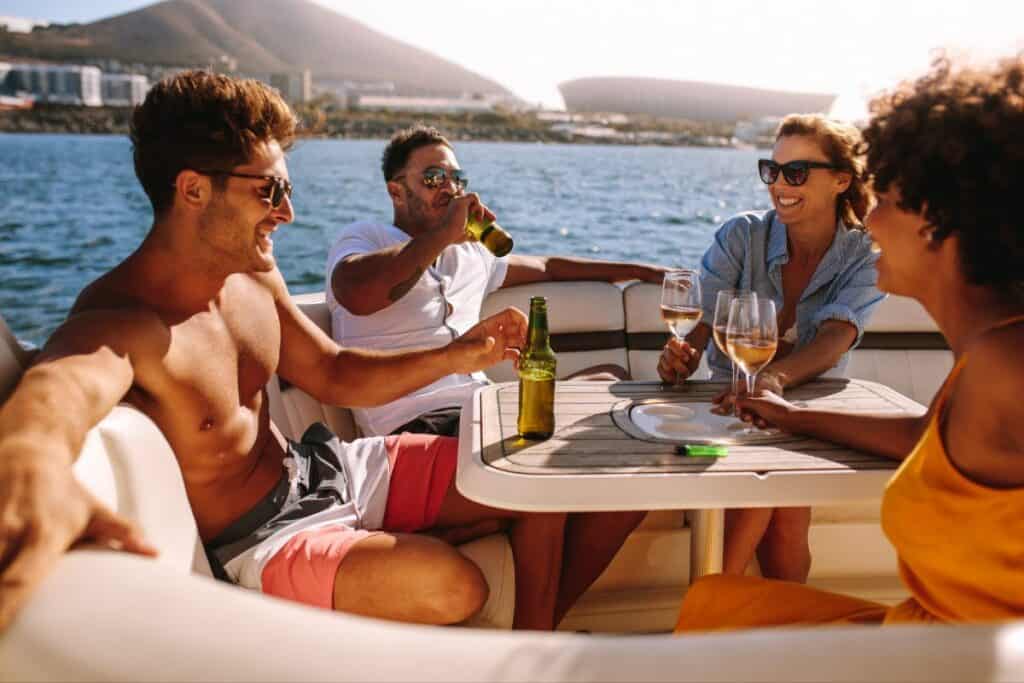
x: 596, y: 460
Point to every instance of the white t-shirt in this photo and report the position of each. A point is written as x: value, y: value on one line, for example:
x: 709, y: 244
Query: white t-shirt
x: 443, y: 304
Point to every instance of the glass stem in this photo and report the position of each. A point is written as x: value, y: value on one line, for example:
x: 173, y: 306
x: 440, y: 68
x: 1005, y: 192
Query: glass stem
x: 750, y: 383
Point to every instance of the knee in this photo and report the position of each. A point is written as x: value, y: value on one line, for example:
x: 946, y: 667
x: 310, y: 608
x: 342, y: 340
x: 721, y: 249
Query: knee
x: 458, y: 593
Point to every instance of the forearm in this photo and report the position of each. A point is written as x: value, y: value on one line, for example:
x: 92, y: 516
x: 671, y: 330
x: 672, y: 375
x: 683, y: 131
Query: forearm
x: 48, y: 409
x: 363, y: 378
x: 566, y: 268
x: 367, y: 283
x: 817, y: 357
x: 890, y: 435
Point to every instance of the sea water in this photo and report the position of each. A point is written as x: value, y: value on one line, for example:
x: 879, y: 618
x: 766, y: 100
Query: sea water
x: 71, y: 208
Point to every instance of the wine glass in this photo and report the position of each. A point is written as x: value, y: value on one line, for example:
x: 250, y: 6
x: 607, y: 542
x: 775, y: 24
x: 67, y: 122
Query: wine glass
x: 752, y: 335
x: 680, y: 301
x: 720, y: 325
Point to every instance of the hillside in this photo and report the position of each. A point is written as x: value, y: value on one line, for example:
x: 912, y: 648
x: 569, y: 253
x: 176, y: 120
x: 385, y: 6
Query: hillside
x: 264, y: 36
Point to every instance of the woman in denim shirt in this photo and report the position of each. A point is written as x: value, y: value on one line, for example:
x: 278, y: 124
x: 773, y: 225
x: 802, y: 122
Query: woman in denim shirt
x: 812, y: 257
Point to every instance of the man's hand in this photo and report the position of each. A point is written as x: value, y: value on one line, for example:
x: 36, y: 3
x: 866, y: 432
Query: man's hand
x: 461, y: 209
x: 654, y: 274
x: 490, y: 341
x: 678, y: 361
x: 43, y: 512
x: 766, y: 381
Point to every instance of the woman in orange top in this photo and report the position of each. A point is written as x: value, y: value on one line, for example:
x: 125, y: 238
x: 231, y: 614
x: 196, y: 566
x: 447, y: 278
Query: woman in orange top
x: 946, y: 153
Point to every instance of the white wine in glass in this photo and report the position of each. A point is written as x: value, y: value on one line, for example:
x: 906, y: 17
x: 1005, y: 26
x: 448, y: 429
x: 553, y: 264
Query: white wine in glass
x: 680, y: 301
x: 719, y: 328
x: 752, y: 336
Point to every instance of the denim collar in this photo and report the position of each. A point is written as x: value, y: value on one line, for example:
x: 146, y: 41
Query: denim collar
x: 777, y: 254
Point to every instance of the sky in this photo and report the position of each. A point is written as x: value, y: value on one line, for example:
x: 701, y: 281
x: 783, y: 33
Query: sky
x: 853, y: 49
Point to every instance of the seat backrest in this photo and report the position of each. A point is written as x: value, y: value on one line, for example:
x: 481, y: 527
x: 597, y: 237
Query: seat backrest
x: 646, y: 332
x: 903, y: 349
x: 586, y: 321
x: 292, y: 409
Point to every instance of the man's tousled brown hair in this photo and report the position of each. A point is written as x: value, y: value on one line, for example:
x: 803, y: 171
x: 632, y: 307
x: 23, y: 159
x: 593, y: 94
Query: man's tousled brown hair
x: 405, y: 142
x: 952, y: 143
x: 203, y: 121
x: 841, y: 143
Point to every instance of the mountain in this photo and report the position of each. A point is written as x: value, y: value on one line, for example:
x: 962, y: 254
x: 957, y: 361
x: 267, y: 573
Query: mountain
x: 686, y: 99
x: 262, y: 36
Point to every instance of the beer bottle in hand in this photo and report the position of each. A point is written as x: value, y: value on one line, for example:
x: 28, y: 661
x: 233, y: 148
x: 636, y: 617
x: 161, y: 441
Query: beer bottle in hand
x: 537, y: 376
x: 490, y: 234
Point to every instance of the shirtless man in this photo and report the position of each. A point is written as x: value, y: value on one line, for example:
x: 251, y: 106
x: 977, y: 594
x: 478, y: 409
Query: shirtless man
x: 189, y: 328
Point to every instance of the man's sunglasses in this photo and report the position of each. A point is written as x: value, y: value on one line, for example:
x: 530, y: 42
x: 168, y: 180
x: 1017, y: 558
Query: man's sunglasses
x: 278, y: 189
x: 435, y: 176
x: 795, y: 172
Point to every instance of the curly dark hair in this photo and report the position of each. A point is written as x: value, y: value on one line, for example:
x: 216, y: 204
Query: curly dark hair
x: 842, y: 144
x: 202, y: 120
x: 952, y: 143
x: 405, y: 142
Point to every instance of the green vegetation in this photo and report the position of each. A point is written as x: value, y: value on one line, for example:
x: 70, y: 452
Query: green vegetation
x: 323, y: 118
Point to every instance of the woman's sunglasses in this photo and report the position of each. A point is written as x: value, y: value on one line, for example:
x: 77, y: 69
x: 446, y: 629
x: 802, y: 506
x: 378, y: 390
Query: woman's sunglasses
x: 795, y: 172
x: 435, y: 176
x: 278, y: 189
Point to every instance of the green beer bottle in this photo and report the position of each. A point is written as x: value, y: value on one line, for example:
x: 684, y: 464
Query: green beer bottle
x: 537, y: 376
x: 490, y: 234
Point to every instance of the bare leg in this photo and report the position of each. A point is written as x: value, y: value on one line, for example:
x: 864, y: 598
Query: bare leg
x: 784, y: 552
x: 537, y: 540
x: 591, y: 541
x: 744, y: 529
x: 408, y: 577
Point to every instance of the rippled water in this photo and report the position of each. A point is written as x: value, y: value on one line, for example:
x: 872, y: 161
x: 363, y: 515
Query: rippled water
x: 71, y: 208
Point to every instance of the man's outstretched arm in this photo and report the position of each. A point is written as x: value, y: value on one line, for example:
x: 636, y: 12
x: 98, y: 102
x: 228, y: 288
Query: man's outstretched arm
x: 43, y: 509
x: 351, y: 377
x: 524, y: 270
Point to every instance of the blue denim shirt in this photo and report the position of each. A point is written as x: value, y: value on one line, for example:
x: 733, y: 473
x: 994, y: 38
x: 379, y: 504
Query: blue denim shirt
x: 749, y: 251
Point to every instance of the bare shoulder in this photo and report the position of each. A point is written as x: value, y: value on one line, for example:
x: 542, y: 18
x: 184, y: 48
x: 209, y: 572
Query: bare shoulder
x: 126, y: 331
x: 273, y: 282
x: 983, y: 424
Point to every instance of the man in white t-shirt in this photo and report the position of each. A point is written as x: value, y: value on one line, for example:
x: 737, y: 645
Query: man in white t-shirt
x: 420, y: 283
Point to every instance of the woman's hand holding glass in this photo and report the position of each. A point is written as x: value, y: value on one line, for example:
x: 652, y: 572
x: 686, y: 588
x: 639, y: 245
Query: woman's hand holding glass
x: 681, y: 310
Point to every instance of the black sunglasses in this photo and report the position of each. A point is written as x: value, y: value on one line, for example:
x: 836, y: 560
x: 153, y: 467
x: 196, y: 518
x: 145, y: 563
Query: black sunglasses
x: 795, y: 172
x: 278, y: 189
x: 435, y: 176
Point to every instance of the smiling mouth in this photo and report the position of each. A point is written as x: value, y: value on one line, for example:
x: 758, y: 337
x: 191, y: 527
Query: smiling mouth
x: 788, y: 201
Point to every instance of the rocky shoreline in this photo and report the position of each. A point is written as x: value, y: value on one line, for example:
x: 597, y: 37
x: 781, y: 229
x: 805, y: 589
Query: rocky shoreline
x: 341, y: 123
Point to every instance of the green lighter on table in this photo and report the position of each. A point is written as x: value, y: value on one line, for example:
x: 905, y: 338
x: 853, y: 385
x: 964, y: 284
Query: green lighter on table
x: 702, y: 450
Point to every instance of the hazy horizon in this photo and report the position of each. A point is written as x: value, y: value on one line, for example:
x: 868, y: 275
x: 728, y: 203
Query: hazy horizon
x: 529, y: 46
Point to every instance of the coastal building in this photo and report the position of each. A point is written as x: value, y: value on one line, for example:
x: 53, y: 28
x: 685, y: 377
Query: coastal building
x: 296, y: 87
x: 438, y: 105
x: 705, y: 102
x: 759, y: 133
x: 123, y: 90
x: 56, y: 83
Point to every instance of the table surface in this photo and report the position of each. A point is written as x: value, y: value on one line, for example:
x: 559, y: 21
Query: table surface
x: 596, y: 461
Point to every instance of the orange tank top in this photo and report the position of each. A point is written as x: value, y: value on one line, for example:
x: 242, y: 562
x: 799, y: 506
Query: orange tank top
x: 960, y: 544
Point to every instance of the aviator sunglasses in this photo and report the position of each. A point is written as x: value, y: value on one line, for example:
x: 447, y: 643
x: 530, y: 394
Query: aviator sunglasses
x: 435, y: 176
x: 795, y: 172
x: 278, y: 189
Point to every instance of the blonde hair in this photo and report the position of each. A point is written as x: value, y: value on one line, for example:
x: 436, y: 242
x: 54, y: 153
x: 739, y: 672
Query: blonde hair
x: 843, y: 145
